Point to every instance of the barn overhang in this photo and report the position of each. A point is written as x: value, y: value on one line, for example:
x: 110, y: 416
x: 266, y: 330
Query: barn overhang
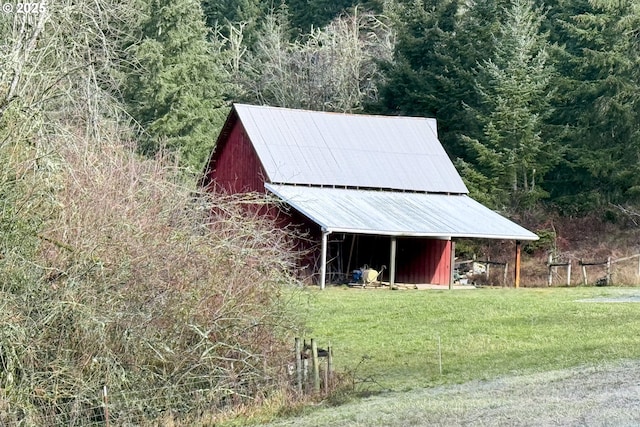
x: 396, y: 214
x: 399, y: 214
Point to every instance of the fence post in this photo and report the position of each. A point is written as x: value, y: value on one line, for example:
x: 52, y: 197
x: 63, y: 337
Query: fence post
x: 504, y: 275
x: 106, y: 406
x: 569, y: 274
x: 298, y: 350
x: 550, y: 276
x: 584, y: 273
x: 330, y: 366
x: 316, y: 365
x: 486, y: 270
x: 608, y: 277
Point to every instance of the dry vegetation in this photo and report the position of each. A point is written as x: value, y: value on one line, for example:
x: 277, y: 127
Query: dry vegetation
x: 591, y: 239
x: 115, y: 274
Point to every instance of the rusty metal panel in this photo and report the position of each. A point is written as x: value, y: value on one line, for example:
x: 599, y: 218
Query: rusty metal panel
x: 346, y: 150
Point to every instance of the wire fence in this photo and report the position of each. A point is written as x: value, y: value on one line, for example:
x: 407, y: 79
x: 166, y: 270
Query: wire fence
x: 310, y: 372
x: 112, y: 407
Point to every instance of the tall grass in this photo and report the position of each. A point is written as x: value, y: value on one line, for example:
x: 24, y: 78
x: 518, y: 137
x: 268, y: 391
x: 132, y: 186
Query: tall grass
x: 114, y: 273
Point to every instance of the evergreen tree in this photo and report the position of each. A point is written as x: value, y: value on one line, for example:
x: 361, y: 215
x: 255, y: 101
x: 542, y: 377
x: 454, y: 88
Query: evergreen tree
x: 433, y: 73
x: 220, y: 14
x: 516, y: 86
x: 598, y: 108
x: 175, y: 89
x: 308, y: 14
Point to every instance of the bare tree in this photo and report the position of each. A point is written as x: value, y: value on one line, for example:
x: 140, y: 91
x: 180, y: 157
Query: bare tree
x: 333, y: 69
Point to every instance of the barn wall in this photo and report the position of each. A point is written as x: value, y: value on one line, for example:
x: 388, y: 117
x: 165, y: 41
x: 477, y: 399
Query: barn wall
x: 237, y: 168
x: 418, y: 260
x: 423, y: 261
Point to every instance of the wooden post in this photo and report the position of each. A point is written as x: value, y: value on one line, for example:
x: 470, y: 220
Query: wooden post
x: 486, y: 270
x: 353, y: 243
x: 550, y: 277
x: 330, y: 366
x: 453, y: 263
x: 323, y: 260
x: 584, y: 273
x: 315, y: 365
x: 392, y: 263
x: 298, y: 351
x: 504, y: 276
x: 517, y: 265
x: 106, y: 406
x: 608, y: 276
x: 569, y: 274
x: 305, y: 373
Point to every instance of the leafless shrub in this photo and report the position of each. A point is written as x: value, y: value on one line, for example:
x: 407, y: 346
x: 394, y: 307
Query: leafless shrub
x: 142, y: 290
x: 334, y: 69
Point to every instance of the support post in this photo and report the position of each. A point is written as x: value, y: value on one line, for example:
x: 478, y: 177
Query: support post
x: 323, y: 260
x: 569, y: 274
x: 353, y: 243
x: 517, y: 263
x: 453, y: 264
x: 392, y: 262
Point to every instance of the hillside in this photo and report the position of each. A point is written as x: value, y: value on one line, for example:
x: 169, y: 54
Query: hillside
x: 592, y: 239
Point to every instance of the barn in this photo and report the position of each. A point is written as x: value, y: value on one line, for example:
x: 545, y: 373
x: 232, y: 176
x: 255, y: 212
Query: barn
x: 368, y: 190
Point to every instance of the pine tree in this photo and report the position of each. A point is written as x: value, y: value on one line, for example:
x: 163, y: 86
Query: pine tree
x: 175, y: 90
x: 598, y: 107
x: 516, y: 87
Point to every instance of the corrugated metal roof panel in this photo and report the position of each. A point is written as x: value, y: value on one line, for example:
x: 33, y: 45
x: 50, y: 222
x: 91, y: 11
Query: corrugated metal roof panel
x: 333, y: 149
x: 399, y: 214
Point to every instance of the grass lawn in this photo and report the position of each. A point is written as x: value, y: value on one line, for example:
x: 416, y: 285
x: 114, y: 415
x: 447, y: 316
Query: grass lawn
x: 394, y: 340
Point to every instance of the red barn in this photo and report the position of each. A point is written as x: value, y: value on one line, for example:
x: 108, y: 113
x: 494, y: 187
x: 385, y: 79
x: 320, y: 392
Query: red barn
x: 373, y: 190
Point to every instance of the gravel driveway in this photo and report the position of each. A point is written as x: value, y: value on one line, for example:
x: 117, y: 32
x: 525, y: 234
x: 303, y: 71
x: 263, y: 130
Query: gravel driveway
x: 593, y: 396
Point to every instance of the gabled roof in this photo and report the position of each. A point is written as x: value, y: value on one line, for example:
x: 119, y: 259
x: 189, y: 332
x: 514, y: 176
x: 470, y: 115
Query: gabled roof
x: 346, y: 150
x: 363, y: 174
x: 393, y: 213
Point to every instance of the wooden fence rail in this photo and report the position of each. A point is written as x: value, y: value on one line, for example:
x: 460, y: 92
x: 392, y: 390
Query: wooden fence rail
x: 607, y: 277
x: 608, y: 267
x: 489, y: 263
x: 553, y: 268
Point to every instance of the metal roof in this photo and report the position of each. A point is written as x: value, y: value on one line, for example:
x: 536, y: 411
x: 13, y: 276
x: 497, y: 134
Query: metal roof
x: 347, y: 150
x: 399, y: 213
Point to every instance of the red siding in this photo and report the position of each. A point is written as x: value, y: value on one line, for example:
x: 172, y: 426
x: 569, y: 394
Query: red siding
x: 237, y: 168
x: 418, y: 260
x: 423, y: 261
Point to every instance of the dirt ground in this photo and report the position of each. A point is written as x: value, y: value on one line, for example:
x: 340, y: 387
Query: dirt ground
x: 594, y: 396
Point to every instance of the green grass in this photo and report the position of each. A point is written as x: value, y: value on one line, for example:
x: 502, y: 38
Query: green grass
x: 389, y: 340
